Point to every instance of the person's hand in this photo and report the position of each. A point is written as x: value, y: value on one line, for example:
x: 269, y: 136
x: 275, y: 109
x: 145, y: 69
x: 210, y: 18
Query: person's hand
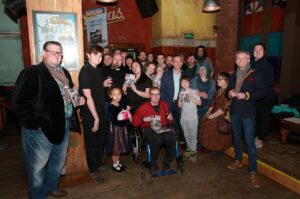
x: 82, y: 101
x: 124, y: 88
x: 133, y: 87
x: 169, y: 116
x: 107, y: 82
x: 210, y: 116
x: 241, y: 96
x: 96, y: 126
x: 203, y: 94
x: 190, y: 94
x: 148, y: 119
x: 232, y: 93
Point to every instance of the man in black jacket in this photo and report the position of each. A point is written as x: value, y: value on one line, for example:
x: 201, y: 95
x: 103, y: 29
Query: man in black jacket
x: 245, y: 88
x: 43, y: 106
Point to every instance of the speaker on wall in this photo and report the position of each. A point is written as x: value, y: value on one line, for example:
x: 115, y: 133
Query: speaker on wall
x: 15, y: 8
x: 147, y: 7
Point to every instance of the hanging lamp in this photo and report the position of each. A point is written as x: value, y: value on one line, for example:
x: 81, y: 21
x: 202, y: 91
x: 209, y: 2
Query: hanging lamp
x: 107, y: 1
x: 211, y: 6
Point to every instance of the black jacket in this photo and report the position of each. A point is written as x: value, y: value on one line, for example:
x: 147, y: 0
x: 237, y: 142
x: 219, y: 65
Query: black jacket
x: 254, y: 85
x: 38, y: 103
x: 265, y: 68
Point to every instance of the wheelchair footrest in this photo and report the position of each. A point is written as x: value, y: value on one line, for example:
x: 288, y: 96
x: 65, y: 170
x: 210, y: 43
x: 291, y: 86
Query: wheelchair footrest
x: 164, y: 173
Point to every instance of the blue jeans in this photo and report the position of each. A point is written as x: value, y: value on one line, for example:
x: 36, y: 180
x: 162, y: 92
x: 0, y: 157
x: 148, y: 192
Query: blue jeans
x: 246, y: 126
x: 43, y: 161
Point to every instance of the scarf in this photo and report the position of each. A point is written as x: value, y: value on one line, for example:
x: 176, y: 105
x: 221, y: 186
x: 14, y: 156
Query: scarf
x: 241, y: 76
x: 58, y: 73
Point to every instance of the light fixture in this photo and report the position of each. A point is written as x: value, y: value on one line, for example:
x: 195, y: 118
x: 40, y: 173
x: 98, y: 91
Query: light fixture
x: 107, y: 1
x: 211, y: 6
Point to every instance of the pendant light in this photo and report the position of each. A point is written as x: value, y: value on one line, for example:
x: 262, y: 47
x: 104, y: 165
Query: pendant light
x: 107, y: 1
x: 211, y: 6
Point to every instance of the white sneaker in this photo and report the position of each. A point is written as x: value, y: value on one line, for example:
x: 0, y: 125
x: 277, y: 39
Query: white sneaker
x: 259, y: 143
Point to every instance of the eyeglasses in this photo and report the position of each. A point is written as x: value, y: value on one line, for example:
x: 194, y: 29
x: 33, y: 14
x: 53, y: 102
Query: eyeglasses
x: 220, y: 79
x: 54, y: 53
x: 155, y: 95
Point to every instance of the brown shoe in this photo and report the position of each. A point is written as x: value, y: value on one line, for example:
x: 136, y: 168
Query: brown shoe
x: 236, y: 164
x: 254, y: 180
x: 58, y: 194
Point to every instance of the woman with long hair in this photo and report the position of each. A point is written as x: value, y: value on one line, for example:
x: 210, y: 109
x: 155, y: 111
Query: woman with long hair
x: 138, y: 92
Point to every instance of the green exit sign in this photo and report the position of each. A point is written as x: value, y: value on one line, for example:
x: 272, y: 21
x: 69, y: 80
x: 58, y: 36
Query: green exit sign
x: 188, y: 35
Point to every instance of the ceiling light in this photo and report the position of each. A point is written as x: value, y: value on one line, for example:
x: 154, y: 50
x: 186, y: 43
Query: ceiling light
x: 107, y: 1
x: 211, y: 6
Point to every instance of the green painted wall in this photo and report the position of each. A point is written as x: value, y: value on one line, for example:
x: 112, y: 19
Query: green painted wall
x: 11, y: 60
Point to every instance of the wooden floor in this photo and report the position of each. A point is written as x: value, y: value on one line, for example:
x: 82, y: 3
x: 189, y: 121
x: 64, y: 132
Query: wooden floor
x: 208, y: 178
x: 284, y: 157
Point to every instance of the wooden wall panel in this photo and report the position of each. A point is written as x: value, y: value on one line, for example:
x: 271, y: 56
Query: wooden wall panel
x: 76, y: 161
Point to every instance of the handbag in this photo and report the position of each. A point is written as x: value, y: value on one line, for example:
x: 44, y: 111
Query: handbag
x: 224, y: 127
x: 75, y: 123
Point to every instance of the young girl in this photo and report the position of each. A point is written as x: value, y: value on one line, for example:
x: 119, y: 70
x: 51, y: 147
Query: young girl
x: 117, y: 139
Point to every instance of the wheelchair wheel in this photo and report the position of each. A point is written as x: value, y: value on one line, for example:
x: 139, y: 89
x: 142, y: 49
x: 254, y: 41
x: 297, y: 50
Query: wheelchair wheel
x: 136, y: 146
x: 180, y: 164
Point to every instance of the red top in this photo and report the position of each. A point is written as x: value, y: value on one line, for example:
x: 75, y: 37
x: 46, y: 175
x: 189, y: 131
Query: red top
x: 147, y: 109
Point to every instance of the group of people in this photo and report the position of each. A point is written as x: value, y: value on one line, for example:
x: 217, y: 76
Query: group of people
x: 163, y: 92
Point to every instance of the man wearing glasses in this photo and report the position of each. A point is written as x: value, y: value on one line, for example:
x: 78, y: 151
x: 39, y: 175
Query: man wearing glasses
x: 43, y: 106
x: 153, y: 116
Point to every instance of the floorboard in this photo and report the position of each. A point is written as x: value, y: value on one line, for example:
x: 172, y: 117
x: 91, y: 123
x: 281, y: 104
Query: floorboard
x: 207, y: 178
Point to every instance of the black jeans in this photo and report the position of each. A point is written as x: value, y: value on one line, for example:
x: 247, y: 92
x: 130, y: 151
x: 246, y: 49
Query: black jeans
x: 156, y: 140
x: 94, y: 142
x: 262, y: 118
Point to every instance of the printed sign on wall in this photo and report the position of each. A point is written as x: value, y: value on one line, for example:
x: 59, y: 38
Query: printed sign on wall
x: 96, y: 24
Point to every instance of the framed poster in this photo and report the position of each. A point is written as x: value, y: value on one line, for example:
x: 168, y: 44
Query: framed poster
x: 96, y: 26
x: 61, y: 27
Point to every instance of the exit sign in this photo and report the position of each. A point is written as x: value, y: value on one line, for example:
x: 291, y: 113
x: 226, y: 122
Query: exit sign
x: 188, y: 35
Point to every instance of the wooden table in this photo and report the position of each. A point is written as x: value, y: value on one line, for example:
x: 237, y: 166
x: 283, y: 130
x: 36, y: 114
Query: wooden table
x: 287, y: 125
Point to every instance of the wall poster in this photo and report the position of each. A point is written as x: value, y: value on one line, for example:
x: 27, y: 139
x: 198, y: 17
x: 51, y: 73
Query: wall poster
x: 61, y: 27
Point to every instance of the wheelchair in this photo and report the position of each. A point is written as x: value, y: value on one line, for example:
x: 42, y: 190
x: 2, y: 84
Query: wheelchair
x: 136, y: 141
x: 147, y: 165
x: 138, y: 145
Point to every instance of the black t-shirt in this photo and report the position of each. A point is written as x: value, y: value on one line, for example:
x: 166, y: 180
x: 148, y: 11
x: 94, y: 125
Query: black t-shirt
x: 118, y: 78
x: 117, y: 75
x: 133, y: 99
x: 91, y: 78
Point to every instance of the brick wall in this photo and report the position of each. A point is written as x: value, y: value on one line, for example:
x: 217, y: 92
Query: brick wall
x: 227, y: 35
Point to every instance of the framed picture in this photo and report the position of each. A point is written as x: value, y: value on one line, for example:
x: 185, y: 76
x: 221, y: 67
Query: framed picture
x: 61, y: 27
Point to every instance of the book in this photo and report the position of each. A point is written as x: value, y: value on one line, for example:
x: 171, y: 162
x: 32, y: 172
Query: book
x: 156, y: 125
x: 129, y: 80
x: 75, y: 97
x: 156, y: 81
x: 185, y: 97
x: 162, y: 129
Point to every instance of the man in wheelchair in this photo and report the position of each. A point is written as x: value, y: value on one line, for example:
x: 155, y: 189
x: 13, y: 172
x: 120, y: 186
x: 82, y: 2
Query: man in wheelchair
x: 154, y: 118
